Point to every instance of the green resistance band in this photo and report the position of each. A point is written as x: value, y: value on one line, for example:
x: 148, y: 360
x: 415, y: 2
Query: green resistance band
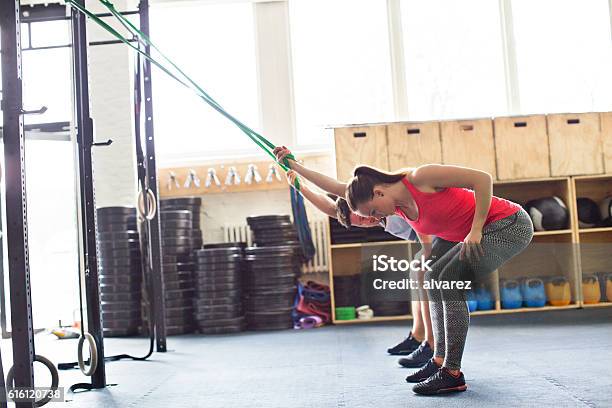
x: 186, y: 81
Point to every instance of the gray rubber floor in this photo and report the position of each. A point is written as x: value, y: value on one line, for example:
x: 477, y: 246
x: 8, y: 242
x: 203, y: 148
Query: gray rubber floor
x: 553, y: 359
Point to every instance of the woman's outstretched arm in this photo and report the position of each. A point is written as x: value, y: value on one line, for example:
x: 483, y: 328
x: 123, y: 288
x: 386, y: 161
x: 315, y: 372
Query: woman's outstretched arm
x: 325, y: 183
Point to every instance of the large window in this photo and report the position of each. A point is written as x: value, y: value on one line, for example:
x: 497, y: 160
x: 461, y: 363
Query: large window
x: 341, y: 65
x: 453, y: 59
x: 564, y: 54
x: 214, y: 44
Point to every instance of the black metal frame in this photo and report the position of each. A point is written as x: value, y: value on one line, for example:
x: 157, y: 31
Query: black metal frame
x: 16, y: 203
x: 87, y: 219
x: 151, y: 175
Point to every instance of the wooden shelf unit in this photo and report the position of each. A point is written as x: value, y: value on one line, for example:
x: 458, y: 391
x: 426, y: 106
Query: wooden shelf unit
x: 594, y: 244
x: 552, y: 253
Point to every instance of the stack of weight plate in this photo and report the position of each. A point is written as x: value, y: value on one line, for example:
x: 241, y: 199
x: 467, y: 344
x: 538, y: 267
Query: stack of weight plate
x: 177, y: 267
x: 194, y: 206
x: 270, y: 282
x: 271, y: 230
x: 218, y: 275
x: 120, y: 271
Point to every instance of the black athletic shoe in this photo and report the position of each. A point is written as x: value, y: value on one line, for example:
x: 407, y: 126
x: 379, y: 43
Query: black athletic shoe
x: 442, y: 382
x: 418, y: 358
x: 424, y: 372
x: 405, y: 347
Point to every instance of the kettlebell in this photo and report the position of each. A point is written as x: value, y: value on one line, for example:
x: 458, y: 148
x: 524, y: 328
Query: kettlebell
x: 484, y: 298
x: 609, y: 287
x: 534, y: 294
x: 558, y: 291
x: 511, y: 297
x: 590, y: 290
x: 471, y: 301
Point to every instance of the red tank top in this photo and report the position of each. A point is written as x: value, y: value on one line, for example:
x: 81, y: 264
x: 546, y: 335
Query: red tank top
x: 449, y: 213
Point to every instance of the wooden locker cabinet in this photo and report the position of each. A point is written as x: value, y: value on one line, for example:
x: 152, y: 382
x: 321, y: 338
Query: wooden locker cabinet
x: 521, y: 147
x: 575, y: 144
x: 414, y: 144
x: 606, y: 133
x: 360, y: 145
x: 469, y: 143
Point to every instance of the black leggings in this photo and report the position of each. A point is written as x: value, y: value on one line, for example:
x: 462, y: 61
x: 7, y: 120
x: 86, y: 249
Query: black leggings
x: 501, y: 240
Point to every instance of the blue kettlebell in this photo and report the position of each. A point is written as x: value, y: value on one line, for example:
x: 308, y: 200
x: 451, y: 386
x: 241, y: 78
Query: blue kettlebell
x: 534, y: 292
x: 471, y: 301
x: 511, y: 297
x: 484, y: 298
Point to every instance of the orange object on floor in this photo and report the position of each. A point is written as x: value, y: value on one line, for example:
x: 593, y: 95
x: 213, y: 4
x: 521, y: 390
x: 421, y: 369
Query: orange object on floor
x: 558, y: 291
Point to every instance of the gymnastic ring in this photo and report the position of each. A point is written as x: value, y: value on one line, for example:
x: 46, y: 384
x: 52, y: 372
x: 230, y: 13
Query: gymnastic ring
x: 152, y: 210
x: 93, y: 354
x: 54, y: 379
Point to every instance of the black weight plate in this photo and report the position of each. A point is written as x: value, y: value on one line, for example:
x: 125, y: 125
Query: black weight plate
x: 176, y: 242
x: 176, y: 250
x: 178, y: 330
x: 289, y: 235
x: 214, y: 280
x: 179, y: 311
x: 176, y: 215
x: 116, y: 218
x: 222, y: 329
x: 122, y: 315
x: 119, y: 306
x: 178, y: 285
x: 226, y: 245
x: 185, y: 266
x: 182, y: 201
x: 222, y: 287
x: 178, y: 276
x: 205, y: 302
x: 219, y: 260
x: 196, y: 233
x: 169, y: 259
x: 220, y: 266
x: 116, y: 210
x: 219, y: 271
x: 268, y: 218
x: 260, y: 280
x: 120, y: 270
x: 120, y: 279
x: 117, y: 288
x: 120, y: 332
x: 270, y: 251
x: 173, y: 233
x: 170, y: 303
x: 124, y: 244
x: 121, y: 253
x: 185, y: 257
x: 221, y: 294
x: 119, y: 263
x: 203, y: 311
x: 256, y: 268
x: 118, y: 236
x: 218, y: 252
x: 180, y: 294
x: 180, y: 321
x: 169, y: 268
x: 203, y: 317
x: 121, y: 324
x: 274, y: 290
x: 121, y: 297
x: 282, y: 225
x: 116, y: 227
x: 188, y: 207
x: 175, y: 224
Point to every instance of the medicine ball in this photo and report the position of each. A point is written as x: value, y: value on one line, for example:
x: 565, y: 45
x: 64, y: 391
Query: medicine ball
x: 605, y: 209
x: 548, y: 213
x: 588, y: 213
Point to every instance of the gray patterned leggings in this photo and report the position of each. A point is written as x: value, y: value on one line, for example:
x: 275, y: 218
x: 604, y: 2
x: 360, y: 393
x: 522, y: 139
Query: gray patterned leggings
x: 501, y: 240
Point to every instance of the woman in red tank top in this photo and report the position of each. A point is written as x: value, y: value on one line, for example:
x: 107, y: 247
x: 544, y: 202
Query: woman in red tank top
x: 456, y: 204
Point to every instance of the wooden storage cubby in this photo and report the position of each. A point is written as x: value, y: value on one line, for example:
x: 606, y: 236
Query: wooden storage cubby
x: 360, y: 145
x: 551, y: 253
x: 595, y: 244
x: 355, y: 259
x: 469, y: 143
x: 414, y: 144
